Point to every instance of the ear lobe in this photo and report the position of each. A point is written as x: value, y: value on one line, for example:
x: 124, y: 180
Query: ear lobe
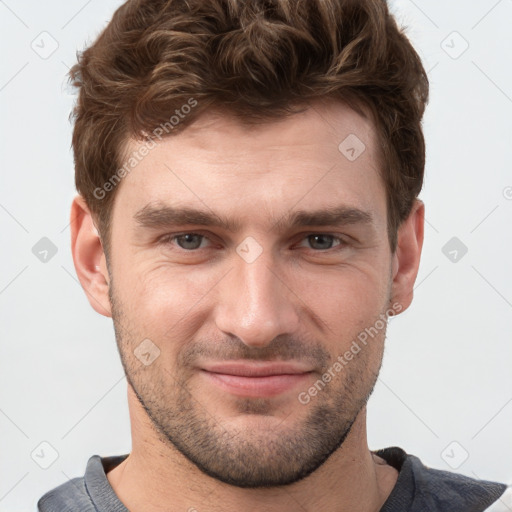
x: 88, y: 257
x: 406, y: 260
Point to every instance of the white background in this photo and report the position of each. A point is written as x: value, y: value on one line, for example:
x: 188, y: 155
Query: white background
x: 447, y: 370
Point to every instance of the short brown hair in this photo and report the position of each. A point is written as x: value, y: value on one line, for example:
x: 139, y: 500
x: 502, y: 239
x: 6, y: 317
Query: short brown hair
x: 257, y: 59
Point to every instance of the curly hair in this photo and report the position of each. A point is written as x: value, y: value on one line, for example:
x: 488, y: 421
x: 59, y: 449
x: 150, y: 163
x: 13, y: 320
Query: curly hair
x: 256, y: 59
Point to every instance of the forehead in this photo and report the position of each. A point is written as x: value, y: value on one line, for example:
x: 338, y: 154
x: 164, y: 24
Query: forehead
x: 323, y: 156
x: 325, y: 123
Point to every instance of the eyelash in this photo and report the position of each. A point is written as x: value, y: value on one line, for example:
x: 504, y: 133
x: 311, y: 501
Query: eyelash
x: 169, y: 239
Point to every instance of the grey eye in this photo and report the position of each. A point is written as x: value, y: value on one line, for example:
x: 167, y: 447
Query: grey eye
x: 189, y: 241
x: 321, y: 241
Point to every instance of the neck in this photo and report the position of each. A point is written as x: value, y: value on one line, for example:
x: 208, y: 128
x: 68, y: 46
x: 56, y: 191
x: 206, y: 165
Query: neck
x: 156, y: 477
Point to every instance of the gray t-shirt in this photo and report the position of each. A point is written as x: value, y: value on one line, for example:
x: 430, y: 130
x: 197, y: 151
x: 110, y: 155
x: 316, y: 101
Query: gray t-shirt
x: 418, y: 489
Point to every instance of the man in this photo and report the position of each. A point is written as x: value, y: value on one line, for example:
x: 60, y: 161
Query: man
x: 248, y: 215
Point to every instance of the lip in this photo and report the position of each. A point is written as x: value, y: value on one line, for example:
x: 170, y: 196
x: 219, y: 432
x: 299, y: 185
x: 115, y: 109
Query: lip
x: 259, y: 379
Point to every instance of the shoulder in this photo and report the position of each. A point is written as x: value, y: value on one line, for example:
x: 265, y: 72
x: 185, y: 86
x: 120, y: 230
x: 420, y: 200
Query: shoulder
x: 89, y: 493
x: 504, y: 504
x: 445, y: 489
x: 69, y: 496
x: 437, y: 490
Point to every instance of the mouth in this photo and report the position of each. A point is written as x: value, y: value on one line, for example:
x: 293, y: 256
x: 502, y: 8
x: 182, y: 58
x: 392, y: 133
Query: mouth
x: 258, y: 379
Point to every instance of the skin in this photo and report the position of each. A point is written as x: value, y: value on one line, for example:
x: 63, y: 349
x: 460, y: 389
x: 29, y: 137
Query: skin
x: 196, y: 446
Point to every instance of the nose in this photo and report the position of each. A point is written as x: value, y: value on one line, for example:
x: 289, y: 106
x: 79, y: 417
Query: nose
x: 255, y: 303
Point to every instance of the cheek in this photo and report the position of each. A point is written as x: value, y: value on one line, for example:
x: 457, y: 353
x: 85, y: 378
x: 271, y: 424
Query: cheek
x: 173, y: 301
x: 345, y: 293
x: 348, y: 301
x: 168, y: 302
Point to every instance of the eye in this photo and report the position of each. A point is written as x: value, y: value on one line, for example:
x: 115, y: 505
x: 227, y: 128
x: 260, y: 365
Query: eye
x: 322, y: 241
x: 186, y: 241
x: 193, y: 241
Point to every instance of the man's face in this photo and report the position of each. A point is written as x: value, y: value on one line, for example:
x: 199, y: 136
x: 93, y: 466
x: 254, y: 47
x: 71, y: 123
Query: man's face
x: 220, y: 308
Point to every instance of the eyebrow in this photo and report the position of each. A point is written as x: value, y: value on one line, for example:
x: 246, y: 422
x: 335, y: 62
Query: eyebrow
x: 163, y: 216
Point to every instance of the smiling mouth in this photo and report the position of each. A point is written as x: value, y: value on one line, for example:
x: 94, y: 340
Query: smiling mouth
x: 262, y: 379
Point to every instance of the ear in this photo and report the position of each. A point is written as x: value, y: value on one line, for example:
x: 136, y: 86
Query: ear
x: 89, y: 258
x: 406, y: 259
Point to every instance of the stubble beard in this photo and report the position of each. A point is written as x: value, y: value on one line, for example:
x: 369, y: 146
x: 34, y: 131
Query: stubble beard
x: 276, y: 454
